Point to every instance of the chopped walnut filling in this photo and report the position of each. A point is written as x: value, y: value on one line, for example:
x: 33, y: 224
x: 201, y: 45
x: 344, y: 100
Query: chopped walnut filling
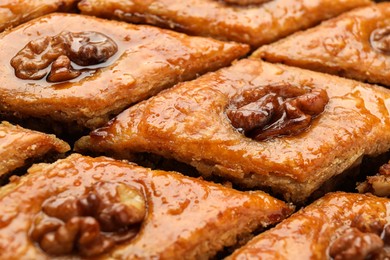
x: 107, y: 214
x: 246, y: 2
x: 363, y: 240
x: 276, y: 110
x: 380, y: 40
x: 378, y: 184
x: 83, y: 48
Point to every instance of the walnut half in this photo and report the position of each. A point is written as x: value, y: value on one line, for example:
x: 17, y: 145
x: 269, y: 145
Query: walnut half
x: 82, y: 48
x: 275, y: 110
x: 367, y: 238
x: 105, y: 215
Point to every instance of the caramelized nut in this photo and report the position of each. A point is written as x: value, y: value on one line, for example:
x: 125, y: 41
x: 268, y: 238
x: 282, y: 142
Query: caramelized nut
x: 105, y: 215
x: 356, y: 245
x: 276, y: 110
x: 378, y: 184
x: 369, y: 224
x: 385, y: 169
x: 83, y: 48
x: 380, y: 40
x: 386, y: 235
x: 62, y: 70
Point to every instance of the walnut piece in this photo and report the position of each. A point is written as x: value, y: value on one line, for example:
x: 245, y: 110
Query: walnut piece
x: 246, y: 2
x: 276, y: 110
x: 356, y: 245
x: 369, y: 224
x: 378, y: 184
x: 83, y: 48
x: 105, y: 215
x: 380, y: 40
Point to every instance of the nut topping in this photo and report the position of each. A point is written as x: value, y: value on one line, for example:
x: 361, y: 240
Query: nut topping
x: 83, y: 48
x: 356, y: 245
x: 368, y: 238
x: 276, y: 110
x: 107, y: 214
x: 380, y: 40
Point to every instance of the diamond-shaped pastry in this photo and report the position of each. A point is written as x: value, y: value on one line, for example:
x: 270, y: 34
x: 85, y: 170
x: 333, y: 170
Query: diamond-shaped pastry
x: 354, y: 45
x: 102, y: 208
x: 252, y: 21
x: 80, y: 70
x: 337, y: 226
x: 257, y: 124
x: 19, y: 146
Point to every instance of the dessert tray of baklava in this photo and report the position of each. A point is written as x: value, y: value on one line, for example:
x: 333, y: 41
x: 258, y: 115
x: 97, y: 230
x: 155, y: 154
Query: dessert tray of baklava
x: 195, y: 129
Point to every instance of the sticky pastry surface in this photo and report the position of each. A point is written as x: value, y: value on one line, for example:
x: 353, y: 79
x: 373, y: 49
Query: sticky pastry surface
x: 353, y: 222
x: 252, y: 22
x: 18, y: 144
x: 189, y: 123
x: 15, y: 12
x: 146, y: 61
x: 353, y: 45
x: 183, y: 218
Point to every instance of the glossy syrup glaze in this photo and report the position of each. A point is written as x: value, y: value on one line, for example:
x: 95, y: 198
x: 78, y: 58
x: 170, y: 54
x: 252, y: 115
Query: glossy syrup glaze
x: 148, y: 59
x: 253, y: 24
x: 308, y: 233
x: 189, y: 213
x: 189, y: 123
x: 15, y: 12
x: 18, y: 144
x: 348, y: 45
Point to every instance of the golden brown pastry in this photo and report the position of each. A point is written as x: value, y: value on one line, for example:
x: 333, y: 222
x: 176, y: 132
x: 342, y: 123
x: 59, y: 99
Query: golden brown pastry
x: 258, y: 125
x: 18, y: 145
x: 80, y: 70
x: 99, y: 208
x: 337, y: 226
x: 354, y: 45
x: 253, y: 24
x: 378, y: 184
x: 15, y: 12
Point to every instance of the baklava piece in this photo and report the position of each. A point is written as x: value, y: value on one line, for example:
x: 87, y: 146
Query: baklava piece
x: 354, y: 45
x: 19, y: 146
x: 99, y: 208
x: 254, y: 22
x: 378, y: 184
x: 258, y: 125
x: 337, y: 226
x: 15, y: 12
x: 79, y: 70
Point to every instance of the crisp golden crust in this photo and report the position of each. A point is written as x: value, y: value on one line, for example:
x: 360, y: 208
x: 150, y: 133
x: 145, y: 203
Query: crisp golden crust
x: 308, y: 233
x: 18, y: 145
x: 15, y: 12
x: 342, y: 46
x: 253, y: 24
x: 186, y: 217
x: 189, y: 123
x: 148, y: 60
